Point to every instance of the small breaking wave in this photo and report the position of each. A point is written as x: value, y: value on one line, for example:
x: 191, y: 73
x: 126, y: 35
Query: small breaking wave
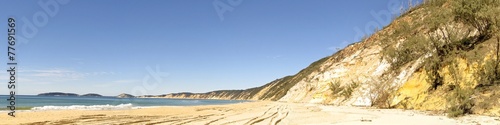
x: 83, y: 107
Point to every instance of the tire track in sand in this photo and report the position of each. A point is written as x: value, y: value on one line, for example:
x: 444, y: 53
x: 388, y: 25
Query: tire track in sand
x: 242, y: 114
x: 274, y: 117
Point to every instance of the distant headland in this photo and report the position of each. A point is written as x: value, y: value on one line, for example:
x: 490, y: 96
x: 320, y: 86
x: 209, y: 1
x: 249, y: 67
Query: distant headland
x: 57, y: 94
x: 69, y: 94
x: 124, y: 95
x: 91, y: 95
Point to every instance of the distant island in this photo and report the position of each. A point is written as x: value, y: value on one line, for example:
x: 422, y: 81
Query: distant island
x: 57, y: 94
x: 91, y: 95
x: 124, y: 95
x: 68, y: 94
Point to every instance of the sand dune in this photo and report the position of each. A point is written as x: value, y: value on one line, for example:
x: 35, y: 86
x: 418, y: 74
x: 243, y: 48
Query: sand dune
x: 258, y: 113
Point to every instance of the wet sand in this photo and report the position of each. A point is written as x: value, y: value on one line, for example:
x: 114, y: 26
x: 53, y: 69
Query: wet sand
x: 258, y: 113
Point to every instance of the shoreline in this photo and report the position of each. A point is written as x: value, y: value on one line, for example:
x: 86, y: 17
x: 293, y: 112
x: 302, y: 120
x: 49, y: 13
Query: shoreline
x: 42, y: 103
x: 257, y: 112
x: 129, y: 106
x: 196, y: 98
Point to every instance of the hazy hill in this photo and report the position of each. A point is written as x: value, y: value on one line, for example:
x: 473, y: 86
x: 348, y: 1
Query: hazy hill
x: 124, y: 95
x: 57, y: 94
x: 91, y: 95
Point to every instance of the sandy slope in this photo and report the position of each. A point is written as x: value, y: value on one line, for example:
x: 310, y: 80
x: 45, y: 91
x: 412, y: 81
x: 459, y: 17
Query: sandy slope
x: 242, y: 114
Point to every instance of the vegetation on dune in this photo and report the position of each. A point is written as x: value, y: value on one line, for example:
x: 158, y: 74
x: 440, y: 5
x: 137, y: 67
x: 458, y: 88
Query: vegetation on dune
x: 344, y: 91
x: 438, y: 33
x: 381, y: 92
x: 460, y: 90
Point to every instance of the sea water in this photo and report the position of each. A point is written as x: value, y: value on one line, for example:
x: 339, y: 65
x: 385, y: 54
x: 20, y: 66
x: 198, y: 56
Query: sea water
x: 101, y: 103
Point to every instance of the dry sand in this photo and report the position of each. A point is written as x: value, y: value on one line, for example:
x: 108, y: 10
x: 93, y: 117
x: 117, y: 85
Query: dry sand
x: 242, y: 114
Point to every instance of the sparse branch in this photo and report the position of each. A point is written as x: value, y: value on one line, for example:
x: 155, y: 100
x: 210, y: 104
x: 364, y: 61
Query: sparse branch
x: 497, y: 60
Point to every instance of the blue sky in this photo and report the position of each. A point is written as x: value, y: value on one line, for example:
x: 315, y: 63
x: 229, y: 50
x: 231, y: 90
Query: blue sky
x: 107, y: 47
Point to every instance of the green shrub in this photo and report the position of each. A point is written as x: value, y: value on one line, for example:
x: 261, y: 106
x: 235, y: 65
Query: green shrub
x: 489, y: 73
x: 347, y: 92
x: 380, y: 92
x: 342, y: 91
x: 459, y: 102
x: 459, y: 99
x: 335, y: 88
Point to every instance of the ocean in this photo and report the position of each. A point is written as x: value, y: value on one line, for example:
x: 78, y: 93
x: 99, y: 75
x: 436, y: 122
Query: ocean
x: 101, y: 103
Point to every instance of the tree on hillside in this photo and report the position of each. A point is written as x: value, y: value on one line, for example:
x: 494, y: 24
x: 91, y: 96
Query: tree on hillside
x: 480, y: 14
x: 451, y: 25
x: 459, y: 99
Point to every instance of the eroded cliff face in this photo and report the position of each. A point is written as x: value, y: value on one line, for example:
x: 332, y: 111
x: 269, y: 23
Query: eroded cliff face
x: 364, y: 66
x: 357, y: 63
x: 415, y: 94
x: 407, y: 85
x: 360, y: 63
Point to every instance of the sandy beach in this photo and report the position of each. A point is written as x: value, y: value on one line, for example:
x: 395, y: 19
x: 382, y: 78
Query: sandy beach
x: 258, y: 113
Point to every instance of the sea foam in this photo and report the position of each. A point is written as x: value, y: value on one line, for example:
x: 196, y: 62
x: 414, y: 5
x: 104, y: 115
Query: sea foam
x: 83, y: 107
